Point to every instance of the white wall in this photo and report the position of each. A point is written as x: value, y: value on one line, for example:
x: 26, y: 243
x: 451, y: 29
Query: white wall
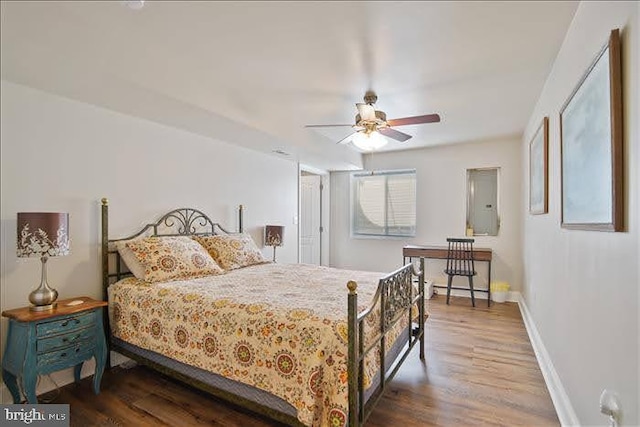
x: 581, y: 287
x: 63, y: 155
x: 441, y: 209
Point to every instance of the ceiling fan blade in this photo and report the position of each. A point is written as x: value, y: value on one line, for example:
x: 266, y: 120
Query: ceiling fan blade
x: 366, y: 111
x: 325, y: 126
x: 346, y: 138
x: 416, y: 120
x: 394, y: 134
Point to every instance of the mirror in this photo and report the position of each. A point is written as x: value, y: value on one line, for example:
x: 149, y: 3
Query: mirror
x: 483, y: 216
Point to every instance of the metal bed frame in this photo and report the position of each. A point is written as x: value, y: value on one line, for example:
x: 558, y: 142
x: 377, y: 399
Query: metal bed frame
x: 395, y: 294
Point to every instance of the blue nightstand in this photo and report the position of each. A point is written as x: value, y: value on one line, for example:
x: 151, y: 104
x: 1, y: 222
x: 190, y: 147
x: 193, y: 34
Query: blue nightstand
x: 43, y: 342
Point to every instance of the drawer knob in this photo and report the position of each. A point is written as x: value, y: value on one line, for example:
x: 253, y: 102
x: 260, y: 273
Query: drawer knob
x: 66, y: 339
x: 65, y: 353
x: 67, y: 322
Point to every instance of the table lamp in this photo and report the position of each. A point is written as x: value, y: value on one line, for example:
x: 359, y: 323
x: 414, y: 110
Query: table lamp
x: 43, y: 234
x: 273, y: 236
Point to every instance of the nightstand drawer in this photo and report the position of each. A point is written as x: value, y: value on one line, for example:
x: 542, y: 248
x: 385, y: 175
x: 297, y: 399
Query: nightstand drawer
x: 67, y: 356
x: 69, y: 338
x: 65, y: 324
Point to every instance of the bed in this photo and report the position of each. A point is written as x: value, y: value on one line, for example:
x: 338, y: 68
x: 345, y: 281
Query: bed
x: 301, y: 344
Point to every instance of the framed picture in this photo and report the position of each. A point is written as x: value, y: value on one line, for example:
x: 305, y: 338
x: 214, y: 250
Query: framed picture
x: 591, y: 146
x: 539, y: 170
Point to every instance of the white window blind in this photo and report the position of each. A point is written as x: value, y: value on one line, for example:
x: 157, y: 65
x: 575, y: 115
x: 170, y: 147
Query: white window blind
x: 383, y: 203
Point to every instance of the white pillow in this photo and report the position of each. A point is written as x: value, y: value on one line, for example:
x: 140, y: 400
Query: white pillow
x: 130, y: 259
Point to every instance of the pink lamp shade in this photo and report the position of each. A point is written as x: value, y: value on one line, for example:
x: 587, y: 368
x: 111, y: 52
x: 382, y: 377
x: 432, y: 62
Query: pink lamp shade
x: 43, y: 234
x: 273, y: 235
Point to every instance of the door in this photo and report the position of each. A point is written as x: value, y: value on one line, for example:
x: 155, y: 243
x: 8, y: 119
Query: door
x: 310, y: 225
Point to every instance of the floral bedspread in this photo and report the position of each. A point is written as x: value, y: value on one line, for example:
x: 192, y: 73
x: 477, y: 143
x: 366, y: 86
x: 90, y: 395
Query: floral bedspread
x: 280, y: 328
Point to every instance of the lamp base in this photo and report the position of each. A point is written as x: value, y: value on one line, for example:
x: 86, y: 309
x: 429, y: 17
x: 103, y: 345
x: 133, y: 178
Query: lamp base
x: 43, y: 307
x: 43, y: 298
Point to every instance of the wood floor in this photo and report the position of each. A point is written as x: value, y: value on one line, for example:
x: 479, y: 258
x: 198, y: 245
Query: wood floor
x: 480, y: 370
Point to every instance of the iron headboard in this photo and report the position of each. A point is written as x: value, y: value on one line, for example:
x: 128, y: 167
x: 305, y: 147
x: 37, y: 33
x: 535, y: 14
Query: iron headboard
x: 178, y: 222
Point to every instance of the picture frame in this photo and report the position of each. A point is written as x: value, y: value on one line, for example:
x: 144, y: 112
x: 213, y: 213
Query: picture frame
x: 591, y: 146
x: 539, y: 170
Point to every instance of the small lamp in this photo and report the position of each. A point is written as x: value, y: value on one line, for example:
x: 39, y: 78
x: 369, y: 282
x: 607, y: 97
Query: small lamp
x: 273, y: 236
x: 43, y: 234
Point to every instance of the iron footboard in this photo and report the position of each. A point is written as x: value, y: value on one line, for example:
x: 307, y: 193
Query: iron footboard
x: 395, y: 295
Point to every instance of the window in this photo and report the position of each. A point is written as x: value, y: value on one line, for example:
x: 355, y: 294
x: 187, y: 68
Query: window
x: 383, y: 203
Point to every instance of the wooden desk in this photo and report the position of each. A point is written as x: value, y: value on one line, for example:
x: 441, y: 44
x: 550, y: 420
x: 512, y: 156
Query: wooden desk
x: 440, y: 252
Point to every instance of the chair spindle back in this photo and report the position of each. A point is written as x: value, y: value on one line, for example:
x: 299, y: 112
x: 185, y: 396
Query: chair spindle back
x: 460, y: 256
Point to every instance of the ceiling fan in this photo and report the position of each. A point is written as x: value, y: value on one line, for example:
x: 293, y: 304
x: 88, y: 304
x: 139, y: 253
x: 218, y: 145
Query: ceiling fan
x: 372, y: 125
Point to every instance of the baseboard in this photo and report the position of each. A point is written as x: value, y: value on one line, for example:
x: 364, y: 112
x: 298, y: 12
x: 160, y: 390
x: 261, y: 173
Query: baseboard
x: 62, y: 377
x: 514, y: 296
x: 559, y: 396
x: 118, y: 359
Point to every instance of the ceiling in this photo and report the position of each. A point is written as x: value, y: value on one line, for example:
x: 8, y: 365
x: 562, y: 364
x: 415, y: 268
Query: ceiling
x: 254, y: 73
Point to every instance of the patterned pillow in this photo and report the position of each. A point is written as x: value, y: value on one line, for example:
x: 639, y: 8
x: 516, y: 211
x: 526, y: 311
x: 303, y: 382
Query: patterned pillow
x: 172, y: 258
x: 232, y: 251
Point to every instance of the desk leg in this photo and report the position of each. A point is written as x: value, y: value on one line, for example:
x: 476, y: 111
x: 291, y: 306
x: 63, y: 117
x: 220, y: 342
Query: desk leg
x: 76, y: 372
x: 101, y: 359
x: 489, y: 293
x: 29, y: 380
x: 12, y: 384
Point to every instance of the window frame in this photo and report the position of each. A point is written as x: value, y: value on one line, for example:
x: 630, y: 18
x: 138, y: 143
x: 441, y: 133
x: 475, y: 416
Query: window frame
x: 352, y: 200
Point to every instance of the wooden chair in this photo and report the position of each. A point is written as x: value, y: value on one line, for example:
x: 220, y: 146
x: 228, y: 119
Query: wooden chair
x: 460, y: 263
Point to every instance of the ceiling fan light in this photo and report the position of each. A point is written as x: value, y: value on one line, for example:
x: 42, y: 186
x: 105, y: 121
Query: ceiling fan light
x: 369, y: 141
